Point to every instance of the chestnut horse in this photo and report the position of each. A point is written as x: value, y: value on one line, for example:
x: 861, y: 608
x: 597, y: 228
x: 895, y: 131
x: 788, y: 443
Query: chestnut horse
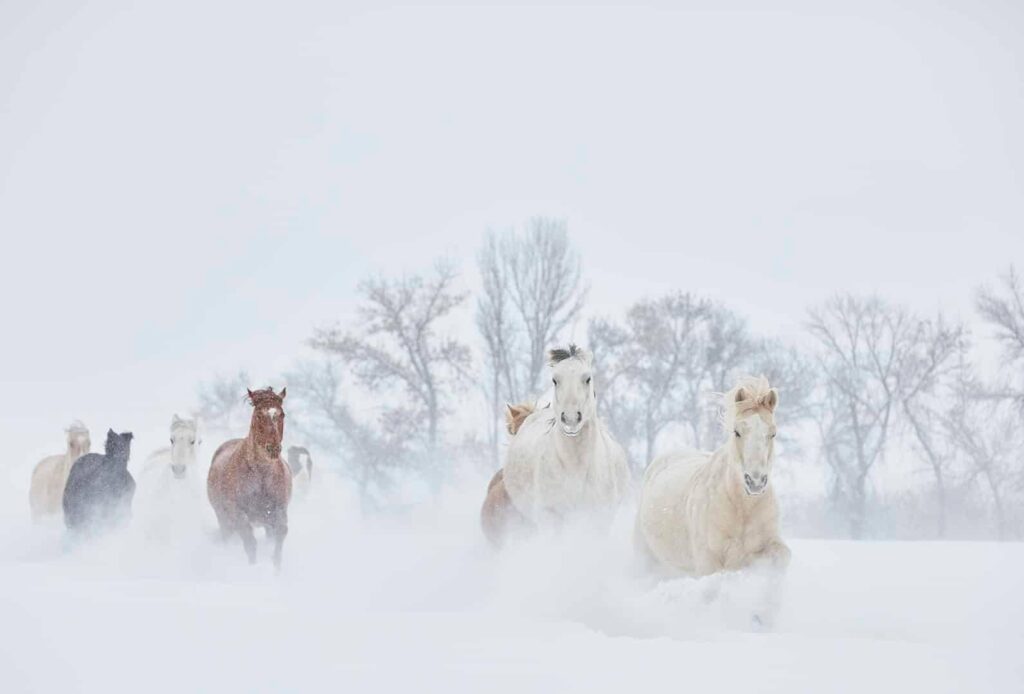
x: 498, y: 516
x: 249, y: 484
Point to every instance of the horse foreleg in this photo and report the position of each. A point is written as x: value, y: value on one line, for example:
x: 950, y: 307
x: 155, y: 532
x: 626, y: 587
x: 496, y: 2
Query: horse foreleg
x: 773, y: 560
x: 244, y: 528
x: 279, y: 531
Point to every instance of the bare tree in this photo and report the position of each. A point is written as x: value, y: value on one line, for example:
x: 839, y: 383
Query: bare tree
x: 866, y: 347
x: 934, y: 367
x: 223, y: 406
x: 647, y: 365
x: 371, y: 454
x: 532, y: 290
x: 988, y: 434
x: 1003, y: 311
x: 399, y: 345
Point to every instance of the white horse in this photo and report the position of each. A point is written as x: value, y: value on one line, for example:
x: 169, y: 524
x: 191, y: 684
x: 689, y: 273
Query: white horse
x: 562, y: 459
x: 178, y: 459
x: 46, y: 491
x: 170, y: 487
x: 701, y: 513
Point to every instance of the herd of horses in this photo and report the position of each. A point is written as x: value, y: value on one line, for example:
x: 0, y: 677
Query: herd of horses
x: 698, y: 512
x: 248, y: 483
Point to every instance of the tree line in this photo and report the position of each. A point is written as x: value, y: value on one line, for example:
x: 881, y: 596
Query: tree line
x: 385, y: 395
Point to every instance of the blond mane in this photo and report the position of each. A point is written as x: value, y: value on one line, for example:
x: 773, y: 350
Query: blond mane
x: 752, y: 394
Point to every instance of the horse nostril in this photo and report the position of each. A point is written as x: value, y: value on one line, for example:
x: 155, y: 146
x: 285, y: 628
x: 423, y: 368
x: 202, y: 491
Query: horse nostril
x: 579, y: 416
x: 748, y: 479
x: 564, y: 420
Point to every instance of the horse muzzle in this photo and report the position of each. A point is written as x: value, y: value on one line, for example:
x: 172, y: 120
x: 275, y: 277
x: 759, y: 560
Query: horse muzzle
x: 755, y: 487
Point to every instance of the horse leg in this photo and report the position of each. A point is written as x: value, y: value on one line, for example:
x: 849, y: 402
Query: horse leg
x: 244, y: 529
x: 773, y: 562
x: 278, y: 530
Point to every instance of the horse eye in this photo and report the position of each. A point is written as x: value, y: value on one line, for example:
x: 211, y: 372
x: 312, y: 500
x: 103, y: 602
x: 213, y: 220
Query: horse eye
x: 588, y: 380
x: 193, y: 442
x: 555, y: 381
x: 172, y: 441
x: 736, y: 432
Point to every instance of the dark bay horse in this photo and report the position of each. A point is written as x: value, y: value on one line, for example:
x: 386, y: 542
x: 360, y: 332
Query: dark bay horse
x: 249, y: 484
x: 99, y: 489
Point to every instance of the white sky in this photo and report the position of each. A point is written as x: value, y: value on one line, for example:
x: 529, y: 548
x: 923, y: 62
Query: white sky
x: 189, y: 188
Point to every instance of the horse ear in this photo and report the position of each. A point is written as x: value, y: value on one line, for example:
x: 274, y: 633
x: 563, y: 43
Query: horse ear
x: 284, y: 392
x: 111, y: 433
x: 772, y: 399
x: 249, y: 391
x: 176, y: 419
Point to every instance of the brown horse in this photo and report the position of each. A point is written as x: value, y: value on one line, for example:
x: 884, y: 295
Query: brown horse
x: 498, y: 516
x: 249, y: 484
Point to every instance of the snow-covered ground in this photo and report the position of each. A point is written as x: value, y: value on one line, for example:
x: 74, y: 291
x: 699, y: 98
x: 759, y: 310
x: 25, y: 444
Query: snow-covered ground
x: 417, y: 602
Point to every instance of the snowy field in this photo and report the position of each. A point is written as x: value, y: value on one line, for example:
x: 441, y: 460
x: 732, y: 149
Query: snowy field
x: 417, y: 602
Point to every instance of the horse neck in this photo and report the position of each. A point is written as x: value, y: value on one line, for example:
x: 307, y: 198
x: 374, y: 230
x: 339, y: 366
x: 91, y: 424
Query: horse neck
x: 73, y: 453
x: 254, y: 452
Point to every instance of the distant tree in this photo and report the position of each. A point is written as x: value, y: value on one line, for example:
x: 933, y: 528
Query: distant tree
x: 1002, y: 310
x: 988, y: 434
x: 935, y: 367
x: 370, y: 453
x: 223, y: 406
x: 648, y: 367
x: 398, y: 346
x: 531, y: 291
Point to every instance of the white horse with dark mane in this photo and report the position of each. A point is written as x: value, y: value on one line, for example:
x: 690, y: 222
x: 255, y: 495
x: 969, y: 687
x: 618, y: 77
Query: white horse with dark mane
x: 562, y: 459
x: 701, y: 513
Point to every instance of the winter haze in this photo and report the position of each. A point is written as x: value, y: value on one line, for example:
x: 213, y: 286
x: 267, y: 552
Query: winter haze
x: 190, y: 191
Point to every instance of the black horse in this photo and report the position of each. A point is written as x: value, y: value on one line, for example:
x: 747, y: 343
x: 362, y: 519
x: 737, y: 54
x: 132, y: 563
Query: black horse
x: 99, y: 490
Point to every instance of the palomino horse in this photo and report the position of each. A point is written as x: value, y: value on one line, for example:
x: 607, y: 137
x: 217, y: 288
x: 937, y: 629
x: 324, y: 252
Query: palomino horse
x: 701, y: 513
x: 248, y: 483
x: 300, y: 463
x: 561, y: 459
x: 99, y: 490
x: 46, y: 491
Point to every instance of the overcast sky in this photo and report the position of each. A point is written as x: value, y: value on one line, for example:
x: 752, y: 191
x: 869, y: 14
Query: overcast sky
x: 188, y: 188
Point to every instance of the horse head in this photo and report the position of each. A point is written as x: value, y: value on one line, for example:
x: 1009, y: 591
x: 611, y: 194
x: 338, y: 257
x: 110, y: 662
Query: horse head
x: 184, y: 445
x: 118, y: 446
x: 750, y: 424
x: 267, y: 426
x: 79, y: 442
x: 574, y: 402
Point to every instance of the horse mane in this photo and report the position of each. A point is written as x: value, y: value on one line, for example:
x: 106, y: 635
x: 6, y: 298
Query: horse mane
x: 264, y: 396
x: 557, y: 355
x: 751, y: 394
x: 77, y: 427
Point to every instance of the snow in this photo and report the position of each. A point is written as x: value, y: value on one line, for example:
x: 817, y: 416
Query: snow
x: 416, y: 601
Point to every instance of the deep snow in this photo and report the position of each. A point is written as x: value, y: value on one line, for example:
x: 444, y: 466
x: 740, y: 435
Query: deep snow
x: 418, y: 602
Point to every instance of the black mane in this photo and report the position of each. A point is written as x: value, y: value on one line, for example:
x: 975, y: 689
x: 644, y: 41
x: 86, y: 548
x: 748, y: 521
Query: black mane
x: 558, y: 355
